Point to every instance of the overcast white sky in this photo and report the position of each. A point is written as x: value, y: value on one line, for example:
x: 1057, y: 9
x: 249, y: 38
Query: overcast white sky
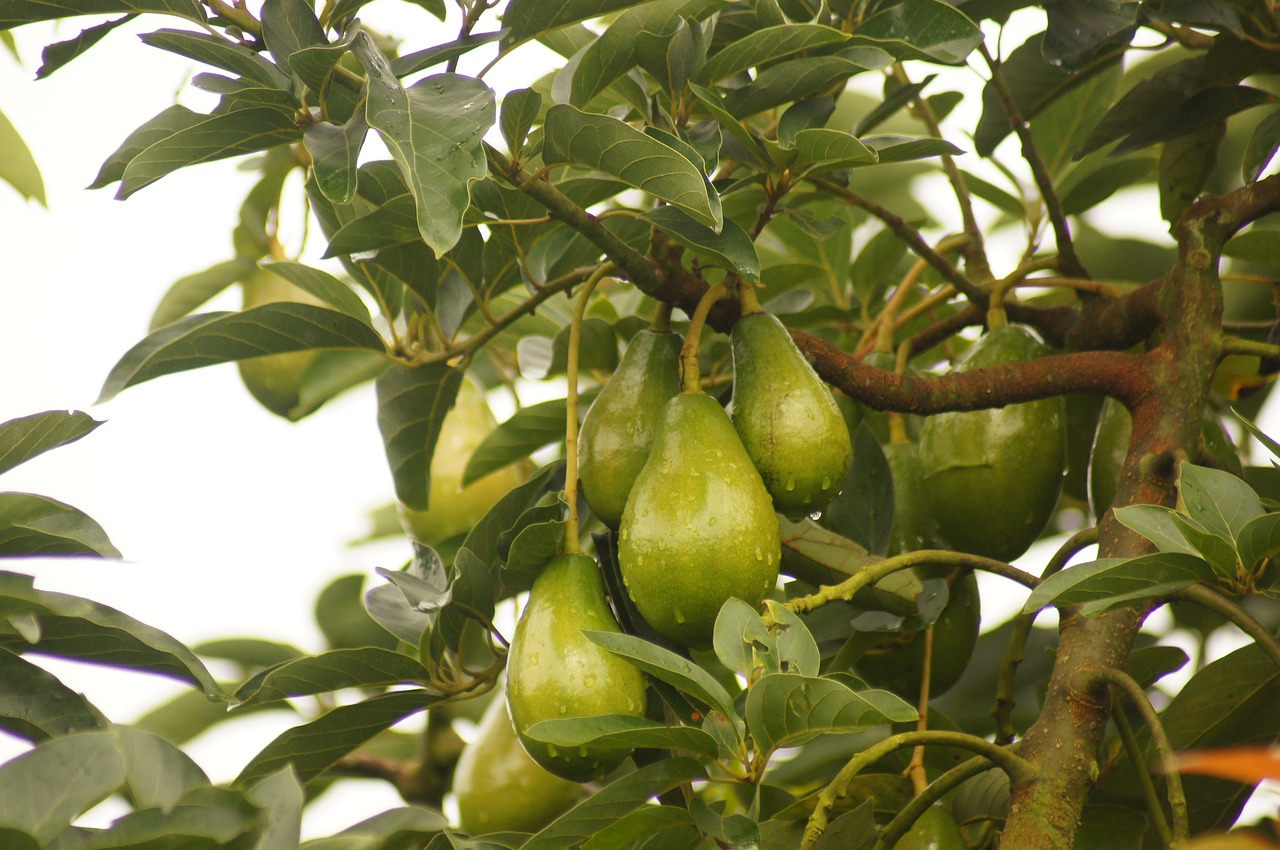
x: 230, y: 519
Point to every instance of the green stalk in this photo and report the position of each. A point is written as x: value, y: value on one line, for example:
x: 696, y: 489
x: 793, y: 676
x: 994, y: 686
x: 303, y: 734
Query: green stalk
x: 1149, y: 793
x: 691, y: 376
x: 570, y: 545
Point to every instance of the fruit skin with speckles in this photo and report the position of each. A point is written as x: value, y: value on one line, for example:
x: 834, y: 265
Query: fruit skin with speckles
x: 936, y: 829
x: 618, y: 429
x: 788, y: 420
x: 699, y: 527
x: 992, y: 477
x: 452, y: 508
x: 276, y: 379
x: 555, y: 672
x: 499, y: 788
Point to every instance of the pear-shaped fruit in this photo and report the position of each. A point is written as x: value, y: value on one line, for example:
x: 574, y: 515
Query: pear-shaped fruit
x: 897, y: 664
x: 992, y: 477
x: 618, y: 429
x: 699, y: 527
x: 913, y: 525
x: 554, y: 671
x: 275, y: 379
x: 787, y: 418
x: 499, y: 788
x: 936, y: 829
x: 453, y: 509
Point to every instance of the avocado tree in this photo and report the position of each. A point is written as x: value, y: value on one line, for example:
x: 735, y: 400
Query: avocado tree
x: 838, y: 324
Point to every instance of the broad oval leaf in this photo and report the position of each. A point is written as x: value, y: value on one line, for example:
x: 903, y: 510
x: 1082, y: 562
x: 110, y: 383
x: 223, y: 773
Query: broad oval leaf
x: 610, y: 146
x: 209, y: 338
x: 412, y: 404
x: 731, y: 248
x: 159, y: 774
x: 36, y: 706
x: 819, y: 149
x: 1157, y: 524
x: 1259, y: 540
x: 738, y: 631
x: 324, y: 286
x: 1139, y: 578
x: 434, y: 130
x: 786, y: 709
x: 334, y: 150
x: 526, y: 19
x: 767, y: 45
x: 623, y: 731
x: 796, y: 647
x: 364, y: 667
x: 48, y: 787
x: 289, y: 26
x: 928, y: 30
x: 675, y: 670
x: 27, y: 436
x: 37, y: 525
x: 1218, y: 501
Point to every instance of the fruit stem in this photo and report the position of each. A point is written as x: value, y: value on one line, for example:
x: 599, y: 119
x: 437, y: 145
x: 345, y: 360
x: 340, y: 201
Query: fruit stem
x: 690, y: 376
x: 661, y: 318
x: 747, y: 298
x: 570, y: 546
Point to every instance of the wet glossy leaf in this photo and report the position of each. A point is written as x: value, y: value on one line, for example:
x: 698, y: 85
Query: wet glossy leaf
x: 624, y: 731
x: 206, y: 339
x: 730, y: 249
x: 1078, y: 29
x: 36, y: 706
x: 608, y: 145
x: 28, y: 436
x: 37, y: 525
x: 787, y: 709
x: 738, y: 629
x: 797, y: 649
x: 412, y: 404
x: 17, y: 166
x: 314, y: 747
x: 434, y: 129
x: 1148, y: 576
x: 365, y: 667
x: 675, y: 670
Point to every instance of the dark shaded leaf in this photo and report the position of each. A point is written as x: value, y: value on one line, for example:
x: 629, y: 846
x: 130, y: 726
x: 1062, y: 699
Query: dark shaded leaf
x: 520, y: 109
x: 289, y: 26
x: 36, y: 706
x: 366, y: 667
x: 526, y: 19
x: 1079, y: 29
x: 731, y: 248
x: 54, y: 56
x: 17, y: 12
x: 1262, y: 147
x: 334, y: 149
x: 412, y: 404
x: 624, y: 731
x: 928, y: 30
x: 324, y: 286
x: 1149, y: 576
x: 787, y: 709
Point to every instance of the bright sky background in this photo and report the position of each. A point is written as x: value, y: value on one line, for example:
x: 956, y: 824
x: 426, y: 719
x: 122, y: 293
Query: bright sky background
x: 230, y: 519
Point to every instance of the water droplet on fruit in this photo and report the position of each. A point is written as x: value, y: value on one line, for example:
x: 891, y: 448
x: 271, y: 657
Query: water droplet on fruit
x: 759, y: 554
x: 680, y: 618
x: 564, y: 709
x: 791, y: 484
x: 589, y: 680
x: 826, y: 483
x: 533, y: 659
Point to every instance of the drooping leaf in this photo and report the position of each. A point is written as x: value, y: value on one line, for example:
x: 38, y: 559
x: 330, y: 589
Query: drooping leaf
x: 55, y: 56
x: 334, y: 149
x: 765, y: 46
x: 206, y: 339
x: 1259, y: 540
x: 928, y: 30
x: 671, y: 668
x: 624, y: 731
x: 280, y: 797
x: 528, y: 430
x: 786, y: 709
x: 434, y: 129
x: 289, y: 26
x: 365, y: 667
x: 48, y: 787
x: 220, y: 53
x: 905, y: 148
x: 1186, y: 163
x: 526, y: 19
x: 17, y: 12
x: 863, y: 510
x: 412, y: 404
x: 324, y: 286
x: 17, y: 166
x: 520, y: 109
x: 36, y: 706
x: 28, y: 436
x: 33, y: 525
x: 1132, y: 577
x: 608, y: 145
x: 1061, y: 128
x: 314, y: 747
x: 731, y: 248
x: 1085, y: 187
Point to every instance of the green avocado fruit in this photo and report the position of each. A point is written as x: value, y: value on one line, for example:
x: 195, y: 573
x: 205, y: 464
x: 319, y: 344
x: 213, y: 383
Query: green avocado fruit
x: 618, y: 429
x: 897, y: 663
x: 275, y: 380
x: 499, y: 788
x: 555, y: 672
x: 788, y: 420
x: 936, y: 829
x: 992, y: 477
x: 699, y: 527
x: 454, y: 509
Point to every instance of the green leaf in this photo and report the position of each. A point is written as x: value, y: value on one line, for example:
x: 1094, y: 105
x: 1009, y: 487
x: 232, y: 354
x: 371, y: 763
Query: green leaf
x: 48, y: 787
x: 787, y: 709
x: 17, y: 166
x: 731, y: 248
x: 624, y: 731
x: 1086, y: 187
x: 1219, y: 551
x: 797, y: 79
x: 752, y: 146
x: 412, y: 63
x: 185, y: 716
x: 1258, y: 541
x: 905, y: 148
x: 207, y: 817
x: 365, y: 667
x: 1062, y: 127
x: 314, y: 747
x: 614, y: 802
x: 209, y: 138
x: 221, y: 53
x: 520, y: 108
x: 767, y: 45
x: 28, y: 436
x: 36, y: 706
x: 38, y: 525
x: 1078, y: 29
x: 194, y: 290
x: 158, y: 773
x: 289, y: 26
x: 1261, y: 148
x: 1145, y: 577
x: 863, y: 510
x: 1156, y: 523
x: 55, y: 56
x: 608, y: 145
x: 663, y: 664
x: 324, y: 286
x: 280, y: 797
x: 526, y: 19
x: 1256, y: 245
x: 818, y: 150
x: 394, y: 222
x: 249, y: 654
x: 206, y: 339
x: 396, y: 828
x: 412, y: 404
x: 644, y: 823
x: 1186, y: 163
x: 334, y: 149
x: 928, y: 30
x: 796, y: 647
x: 1217, y: 501
x: 529, y: 429
x: 809, y: 542
x: 71, y: 627
x: 739, y: 634
x: 17, y: 12
x: 434, y: 130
